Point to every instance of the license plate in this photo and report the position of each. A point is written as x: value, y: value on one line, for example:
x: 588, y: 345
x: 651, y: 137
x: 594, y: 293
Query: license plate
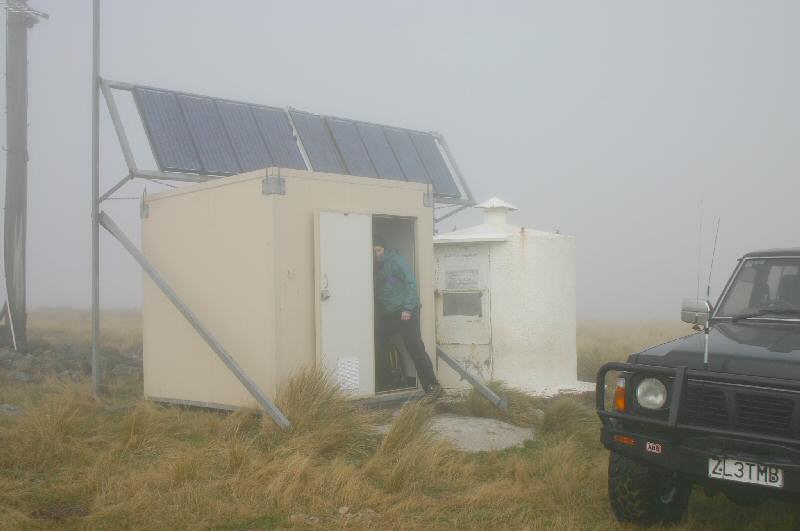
x: 745, y: 472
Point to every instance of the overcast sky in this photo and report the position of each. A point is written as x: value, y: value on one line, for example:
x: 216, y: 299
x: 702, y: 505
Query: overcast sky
x: 606, y: 120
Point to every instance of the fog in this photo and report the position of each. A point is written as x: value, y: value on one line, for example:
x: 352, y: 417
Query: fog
x: 610, y: 121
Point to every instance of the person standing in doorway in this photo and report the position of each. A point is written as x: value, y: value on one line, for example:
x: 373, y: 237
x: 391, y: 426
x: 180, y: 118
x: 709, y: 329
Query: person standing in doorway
x: 398, y: 302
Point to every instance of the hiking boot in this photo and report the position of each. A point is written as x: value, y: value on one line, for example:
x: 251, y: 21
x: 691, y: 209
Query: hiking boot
x: 434, y: 392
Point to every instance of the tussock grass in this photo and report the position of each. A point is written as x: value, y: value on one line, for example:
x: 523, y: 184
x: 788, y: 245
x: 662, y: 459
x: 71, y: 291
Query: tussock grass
x: 71, y: 462
x: 523, y: 410
x: 323, y: 420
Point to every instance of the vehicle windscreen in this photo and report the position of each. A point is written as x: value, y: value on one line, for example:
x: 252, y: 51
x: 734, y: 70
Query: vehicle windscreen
x: 764, y: 287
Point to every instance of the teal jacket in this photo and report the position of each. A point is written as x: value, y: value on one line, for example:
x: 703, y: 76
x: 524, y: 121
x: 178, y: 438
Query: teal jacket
x: 395, y: 286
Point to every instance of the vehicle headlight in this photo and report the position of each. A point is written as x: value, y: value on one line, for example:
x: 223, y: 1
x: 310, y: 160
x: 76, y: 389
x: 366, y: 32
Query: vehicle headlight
x: 651, y: 393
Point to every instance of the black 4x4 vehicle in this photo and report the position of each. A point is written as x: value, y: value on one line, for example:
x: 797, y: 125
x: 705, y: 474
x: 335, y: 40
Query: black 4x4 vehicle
x: 719, y: 408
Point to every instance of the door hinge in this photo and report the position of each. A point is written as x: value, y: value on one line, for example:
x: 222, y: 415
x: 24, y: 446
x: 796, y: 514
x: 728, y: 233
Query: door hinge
x: 274, y: 185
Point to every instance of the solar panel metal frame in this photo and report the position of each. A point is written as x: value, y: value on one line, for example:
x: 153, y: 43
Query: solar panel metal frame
x: 436, y: 169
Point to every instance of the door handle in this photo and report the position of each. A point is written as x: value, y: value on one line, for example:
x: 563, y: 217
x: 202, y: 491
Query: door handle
x: 325, y: 293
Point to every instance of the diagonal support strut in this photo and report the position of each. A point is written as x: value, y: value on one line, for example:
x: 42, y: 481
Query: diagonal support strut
x: 212, y: 342
x: 498, y: 401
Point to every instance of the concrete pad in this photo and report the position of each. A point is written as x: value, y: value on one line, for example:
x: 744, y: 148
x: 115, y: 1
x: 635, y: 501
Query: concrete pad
x: 476, y: 434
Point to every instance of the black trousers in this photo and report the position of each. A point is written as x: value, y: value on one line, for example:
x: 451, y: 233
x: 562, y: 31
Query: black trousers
x: 391, y: 324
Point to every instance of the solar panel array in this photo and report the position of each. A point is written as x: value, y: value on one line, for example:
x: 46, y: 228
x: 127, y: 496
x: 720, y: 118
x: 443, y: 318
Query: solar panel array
x: 208, y: 136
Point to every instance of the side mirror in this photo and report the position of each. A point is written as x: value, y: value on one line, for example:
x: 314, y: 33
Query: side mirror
x: 696, y: 311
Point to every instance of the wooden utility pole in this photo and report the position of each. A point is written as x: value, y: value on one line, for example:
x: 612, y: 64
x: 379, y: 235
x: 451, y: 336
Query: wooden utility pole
x: 19, y: 18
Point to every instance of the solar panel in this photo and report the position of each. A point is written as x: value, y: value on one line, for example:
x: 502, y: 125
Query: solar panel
x: 198, y: 134
x: 351, y: 147
x: 242, y: 129
x: 428, y: 151
x: 169, y: 136
x: 406, y: 154
x: 380, y: 152
x: 210, y: 137
x: 279, y: 137
x: 320, y: 147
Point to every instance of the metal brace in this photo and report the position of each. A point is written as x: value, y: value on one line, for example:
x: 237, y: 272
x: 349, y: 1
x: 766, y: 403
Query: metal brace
x: 428, y: 200
x: 274, y: 185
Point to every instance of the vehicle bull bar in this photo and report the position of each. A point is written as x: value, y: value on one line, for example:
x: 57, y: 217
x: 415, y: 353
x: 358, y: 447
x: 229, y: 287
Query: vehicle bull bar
x: 681, y: 376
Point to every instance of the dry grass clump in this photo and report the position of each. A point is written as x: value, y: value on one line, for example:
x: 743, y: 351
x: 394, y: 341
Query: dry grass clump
x: 564, y: 416
x: 324, y: 420
x: 523, y: 409
x: 49, y: 431
x: 408, y: 458
x: 408, y: 426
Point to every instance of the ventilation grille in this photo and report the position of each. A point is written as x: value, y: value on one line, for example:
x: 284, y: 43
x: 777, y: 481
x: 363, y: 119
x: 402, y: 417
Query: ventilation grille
x: 716, y: 406
x: 706, y: 406
x: 764, y: 414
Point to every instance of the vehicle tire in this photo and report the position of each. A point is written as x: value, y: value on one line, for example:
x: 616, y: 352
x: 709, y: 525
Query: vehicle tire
x: 644, y: 495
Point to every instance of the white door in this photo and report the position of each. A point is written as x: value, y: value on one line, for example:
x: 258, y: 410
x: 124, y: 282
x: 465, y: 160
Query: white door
x: 463, y: 305
x: 346, y: 304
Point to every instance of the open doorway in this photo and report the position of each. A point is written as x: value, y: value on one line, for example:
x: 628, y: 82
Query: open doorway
x: 394, y: 368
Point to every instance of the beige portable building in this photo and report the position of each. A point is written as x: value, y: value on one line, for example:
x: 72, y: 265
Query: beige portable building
x: 278, y: 265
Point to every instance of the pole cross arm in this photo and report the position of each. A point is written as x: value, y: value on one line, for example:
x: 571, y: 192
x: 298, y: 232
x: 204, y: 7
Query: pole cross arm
x: 212, y: 341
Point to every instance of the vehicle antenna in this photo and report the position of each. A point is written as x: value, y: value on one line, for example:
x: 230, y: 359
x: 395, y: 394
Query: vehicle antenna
x: 699, y: 250
x: 708, y: 296
x: 711, y: 267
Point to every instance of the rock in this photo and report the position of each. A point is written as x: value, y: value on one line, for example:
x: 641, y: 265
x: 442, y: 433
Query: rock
x: 8, y: 409
x: 369, y: 514
x: 313, y: 521
x: 538, y: 415
x: 476, y: 434
x: 125, y: 370
x: 24, y: 363
x: 344, y: 510
x: 20, y: 376
x: 297, y: 519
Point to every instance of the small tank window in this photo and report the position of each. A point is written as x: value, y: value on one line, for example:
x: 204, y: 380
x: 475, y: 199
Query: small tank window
x: 463, y: 303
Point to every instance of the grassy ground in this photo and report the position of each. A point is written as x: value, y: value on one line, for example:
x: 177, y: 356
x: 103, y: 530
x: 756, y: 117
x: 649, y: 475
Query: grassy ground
x: 70, y: 461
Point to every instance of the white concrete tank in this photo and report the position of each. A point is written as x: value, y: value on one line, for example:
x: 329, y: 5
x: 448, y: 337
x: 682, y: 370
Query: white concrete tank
x: 505, y: 303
